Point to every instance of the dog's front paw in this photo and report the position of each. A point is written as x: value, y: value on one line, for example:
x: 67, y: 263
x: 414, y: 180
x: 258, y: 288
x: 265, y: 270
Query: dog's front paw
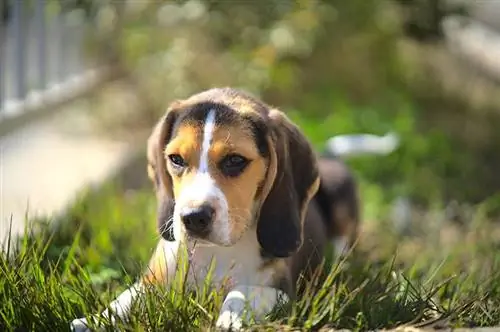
x: 80, y: 325
x: 83, y: 325
x: 229, y: 321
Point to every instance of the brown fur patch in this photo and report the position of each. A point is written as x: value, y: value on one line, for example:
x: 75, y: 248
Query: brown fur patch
x: 187, y: 143
x: 313, y: 189
x: 157, y: 271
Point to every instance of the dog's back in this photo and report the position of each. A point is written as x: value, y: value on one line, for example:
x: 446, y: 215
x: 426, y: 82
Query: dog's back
x: 337, y: 200
x: 337, y: 197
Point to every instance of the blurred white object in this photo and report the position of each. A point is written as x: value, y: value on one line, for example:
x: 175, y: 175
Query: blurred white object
x: 358, y: 144
x: 401, y: 214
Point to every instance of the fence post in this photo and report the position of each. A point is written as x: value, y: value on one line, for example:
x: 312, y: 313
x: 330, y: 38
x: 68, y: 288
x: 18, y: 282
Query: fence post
x: 3, y: 23
x: 40, y: 19
x: 61, y: 47
x: 19, y: 40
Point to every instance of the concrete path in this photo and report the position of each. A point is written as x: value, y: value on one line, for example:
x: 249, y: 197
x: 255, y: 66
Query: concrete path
x: 44, y: 164
x: 476, y: 39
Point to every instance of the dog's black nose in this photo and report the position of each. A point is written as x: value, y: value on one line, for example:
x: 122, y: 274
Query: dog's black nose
x: 198, y: 219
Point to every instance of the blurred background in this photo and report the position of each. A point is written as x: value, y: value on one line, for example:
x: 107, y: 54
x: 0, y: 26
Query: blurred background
x: 84, y: 81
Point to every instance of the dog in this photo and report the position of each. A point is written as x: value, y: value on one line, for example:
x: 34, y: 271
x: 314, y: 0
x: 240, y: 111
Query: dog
x: 239, y: 184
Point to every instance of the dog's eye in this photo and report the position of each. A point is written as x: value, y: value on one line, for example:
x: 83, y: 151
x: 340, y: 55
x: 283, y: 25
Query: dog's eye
x: 177, y: 160
x: 233, y: 164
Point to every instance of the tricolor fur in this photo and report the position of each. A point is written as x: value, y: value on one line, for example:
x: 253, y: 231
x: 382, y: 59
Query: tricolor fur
x: 235, y: 181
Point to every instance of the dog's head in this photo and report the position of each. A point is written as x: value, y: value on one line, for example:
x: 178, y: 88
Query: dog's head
x: 223, y: 162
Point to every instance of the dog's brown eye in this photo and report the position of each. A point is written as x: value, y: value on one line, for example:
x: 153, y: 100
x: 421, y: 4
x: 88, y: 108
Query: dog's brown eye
x: 177, y: 160
x: 233, y: 164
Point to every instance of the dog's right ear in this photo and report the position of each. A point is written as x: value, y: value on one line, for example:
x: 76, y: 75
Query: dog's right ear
x: 157, y: 170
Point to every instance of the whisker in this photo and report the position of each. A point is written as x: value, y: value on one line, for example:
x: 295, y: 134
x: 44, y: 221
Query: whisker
x: 165, y: 227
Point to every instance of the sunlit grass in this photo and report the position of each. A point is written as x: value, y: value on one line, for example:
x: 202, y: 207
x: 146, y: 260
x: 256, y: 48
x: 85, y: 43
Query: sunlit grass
x: 76, y: 267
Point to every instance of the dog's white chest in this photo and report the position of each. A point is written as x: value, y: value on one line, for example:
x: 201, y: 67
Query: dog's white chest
x: 235, y: 265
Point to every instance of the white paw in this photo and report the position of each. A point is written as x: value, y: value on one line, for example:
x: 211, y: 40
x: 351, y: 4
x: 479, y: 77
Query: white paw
x: 79, y: 325
x: 83, y: 325
x: 229, y: 321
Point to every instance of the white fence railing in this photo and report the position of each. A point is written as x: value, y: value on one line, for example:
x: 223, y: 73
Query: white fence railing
x: 42, y: 54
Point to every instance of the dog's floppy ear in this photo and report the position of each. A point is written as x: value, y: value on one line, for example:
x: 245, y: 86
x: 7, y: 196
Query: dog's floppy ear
x: 291, y: 181
x: 157, y: 170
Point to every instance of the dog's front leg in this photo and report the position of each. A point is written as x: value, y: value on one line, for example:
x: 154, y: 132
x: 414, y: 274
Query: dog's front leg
x: 245, y: 302
x: 161, y: 268
x: 118, y: 308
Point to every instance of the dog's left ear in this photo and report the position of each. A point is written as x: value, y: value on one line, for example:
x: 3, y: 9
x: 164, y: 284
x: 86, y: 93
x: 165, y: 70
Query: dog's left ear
x: 157, y: 170
x: 291, y: 181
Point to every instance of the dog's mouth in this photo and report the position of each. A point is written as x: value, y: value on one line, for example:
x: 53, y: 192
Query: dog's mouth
x: 211, y: 240
x: 197, y: 241
x: 196, y: 237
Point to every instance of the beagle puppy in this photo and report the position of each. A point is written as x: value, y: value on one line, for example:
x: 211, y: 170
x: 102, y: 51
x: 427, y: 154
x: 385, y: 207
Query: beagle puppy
x: 239, y: 185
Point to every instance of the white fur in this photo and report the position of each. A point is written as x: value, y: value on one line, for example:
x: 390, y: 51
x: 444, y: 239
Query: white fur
x: 239, y: 262
x: 248, y: 287
x: 340, y: 245
x: 205, y: 189
x: 208, y: 132
x: 120, y: 308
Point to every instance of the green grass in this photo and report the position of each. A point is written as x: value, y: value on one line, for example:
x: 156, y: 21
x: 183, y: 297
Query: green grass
x: 451, y: 277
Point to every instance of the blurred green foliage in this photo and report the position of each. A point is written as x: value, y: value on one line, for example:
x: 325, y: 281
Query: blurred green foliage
x: 336, y: 66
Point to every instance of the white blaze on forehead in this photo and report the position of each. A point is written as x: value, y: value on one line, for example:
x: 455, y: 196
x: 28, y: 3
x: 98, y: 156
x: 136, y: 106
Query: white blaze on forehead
x: 207, y: 140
